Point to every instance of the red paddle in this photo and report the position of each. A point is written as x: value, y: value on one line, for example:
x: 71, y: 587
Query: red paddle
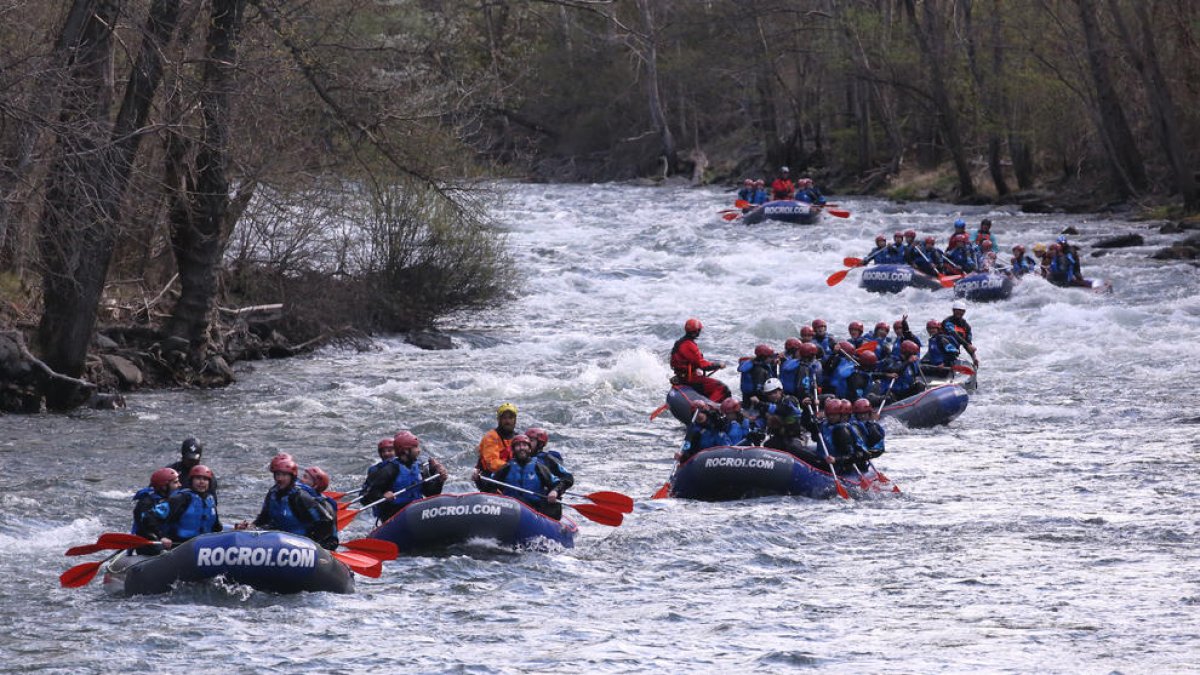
x: 375, y: 548
x: 360, y: 564
x: 613, y: 500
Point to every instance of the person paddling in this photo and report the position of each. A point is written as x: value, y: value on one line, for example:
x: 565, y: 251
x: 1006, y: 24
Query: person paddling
x: 494, y: 447
x: 404, y: 479
x: 189, y: 512
x: 522, y: 471
x: 781, y: 187
x: 957, y: 327
x: 163, y: 483
x: 289, y: 508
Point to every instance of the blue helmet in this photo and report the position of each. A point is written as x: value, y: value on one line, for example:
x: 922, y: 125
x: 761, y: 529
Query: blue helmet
x: 960, y: 223
x: 1062, y: 239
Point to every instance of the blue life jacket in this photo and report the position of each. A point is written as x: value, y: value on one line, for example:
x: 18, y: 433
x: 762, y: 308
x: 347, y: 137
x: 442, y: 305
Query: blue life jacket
x: 825, y: 344
x: 825, y: 445
x: 868, y: 428
x: 963, y: 258
x: 754, y: 374
x: 279, y: 507
x: 856, y: 441
x: 139, y: 528
x: 745, y: 194
x: 406, y: 477
x: 523, y: 477
x: 1023, y: 265
x: 926, y: 259
x: 943, y: 351
x: 907, y: 377
x: 789, y: 375
x: 198, y: 518
x: 737, y: 431
x: 837, y: 379
x: 1062, y: 269
x: 330, y: 502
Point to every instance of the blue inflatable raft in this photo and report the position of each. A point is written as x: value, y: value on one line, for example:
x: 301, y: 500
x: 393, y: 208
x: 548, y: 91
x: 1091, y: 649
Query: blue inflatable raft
x: 444, y: 520
x: 984, y: 287
x: 784, y: 210
x: 726, y: 473
x: 278, y: 562
x: 889, y: 278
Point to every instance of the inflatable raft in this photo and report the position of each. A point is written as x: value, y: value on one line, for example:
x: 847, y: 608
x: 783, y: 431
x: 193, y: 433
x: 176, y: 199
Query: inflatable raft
x: 447, y: 519
x: 785, y: 210
x: 888, y: 278
x: 726, y: 473
x: 277, y: 562
x: 984, y: 286
x: 933, y: 407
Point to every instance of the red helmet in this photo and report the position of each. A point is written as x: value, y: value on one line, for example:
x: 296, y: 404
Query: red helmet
x: 385, y: 444
x: 759, y: 181
x: 520, y: 438
x: 856, y: 326
x: 806, y: 332
x: 763, y: 351
x: 792, y: 344
x: 862, y: 405
x: 909, y: 347
x: 809, y: 350
x: 163, y: 478
x: 318, y: 479
x: 844, y: 407
x: 882, y: 326
x: 818, y: 323
x: 880, y: 239
x: 200, y: 470
x: 1018, y: 249
x: 930, y: 241
x: 281, y: 464
x: 898, y: 326
x: 730, y: 406
x: 868, y: 359
x: 985, y: 245
x: 692, y: 326
x: 538, y: 434
x: 405, y: 441
x: 1055, y: 248
x: 932, y: 326
x: 910, y: 234
x: 845, y: 347
x: 958, y: 240
x: 897, y: 236
x: 749, y: 182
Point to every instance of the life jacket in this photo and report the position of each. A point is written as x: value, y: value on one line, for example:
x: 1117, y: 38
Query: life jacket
x: 738, y: 430
x: 524, y: 477
x: 279, y: 507
x: 754, y: 374
x: 682, y: 368
x: 198, y: 518
x: 138, y: 527
x: 1023, y: 265
x: 825, y: 344
x: 958, y: 327
x: 871, y: 433
x: 963, y: 258
x: 841, y: 373
x: 943, y: 351
x: 406, y: 476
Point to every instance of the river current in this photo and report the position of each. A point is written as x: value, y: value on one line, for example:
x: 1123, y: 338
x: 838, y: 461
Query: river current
x: 1052, y: 527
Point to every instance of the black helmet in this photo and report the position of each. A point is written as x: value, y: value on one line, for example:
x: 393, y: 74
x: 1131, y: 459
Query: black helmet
x: 191, y: 448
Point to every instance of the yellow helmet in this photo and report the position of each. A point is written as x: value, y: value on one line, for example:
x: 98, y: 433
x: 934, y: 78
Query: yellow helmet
x: 1039, y: 248
x: 506, y: 408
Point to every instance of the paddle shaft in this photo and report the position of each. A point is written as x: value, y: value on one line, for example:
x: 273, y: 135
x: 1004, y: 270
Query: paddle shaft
x: 841, y: 489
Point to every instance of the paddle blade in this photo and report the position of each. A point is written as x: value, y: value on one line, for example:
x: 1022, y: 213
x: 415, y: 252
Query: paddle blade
x: 741, y: 203
x: 85, y: 549
x: 360, y: 564
x: 613, y: 500
x: 965, y: 370
x: 376, y: 548
x: 947, y: 280
x: 662, y: 492
x: 658, y: 411
x: 836, y: 213
x: 80, y: 575
x: 123, y: 540
x: 599, y: 514
x: 346, y: 517
x: 730, y: 216
x: 334, y: 494
x: 836, y: 278
x: 852, y: 262
x: 841, y: 489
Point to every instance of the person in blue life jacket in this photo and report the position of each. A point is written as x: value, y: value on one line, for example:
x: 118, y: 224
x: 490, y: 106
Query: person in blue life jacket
x: 903, y: 332
x: 870, y: 431
x: 901, y: 375
x: 839, y: 367
x: 893, y: 253
x: 189, y: 512
x: 960, y: 257
x: 858, y: 383
x: 538, y: 438
x: 387, y: 452
x: 838, y: 436
x: 761, y: 196
x: 289, y: 508
x: 880, y: 335
x: 789, y: 363
x: 943, y: 349
x: 1073, y: 253
x: 956, y: 326
x: 737, y: 425
x: 880, y: 249
x: 821, y: 337
x: 802, y: 375
x: 927, y: 258
x: 523, y: 471
x: 707, y: 429
x: 757, y: 370
x: 190, y: 452
x: 1021, y: 264
x: 316, y: 480
x: 403, y: 479
x: 1063, y: 268
x: 899, y: 248
x: 784, y: 419
x: 163, y: 483
x: 808, y: 192
x: 986, y: 258
x: 746, y: 192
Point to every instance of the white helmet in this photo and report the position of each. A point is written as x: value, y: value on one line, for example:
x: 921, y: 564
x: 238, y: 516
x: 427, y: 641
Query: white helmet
x: 959, y: 304
x: 771, y: 385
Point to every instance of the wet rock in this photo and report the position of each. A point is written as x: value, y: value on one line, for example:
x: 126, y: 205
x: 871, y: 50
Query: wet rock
x: 176, y: 344
x: 106, y: 401
x: 103, y: 342
x: 128, y: 374
x: 1177, y: 251
x: 1070, y: 229
x: 1122, y: 241
x: 431, y: 340
x: 1170, y: 228
x: 217, y: 365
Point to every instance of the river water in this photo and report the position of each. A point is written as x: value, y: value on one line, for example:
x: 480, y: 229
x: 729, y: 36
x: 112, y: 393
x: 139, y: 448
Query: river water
x: 1052, y: 527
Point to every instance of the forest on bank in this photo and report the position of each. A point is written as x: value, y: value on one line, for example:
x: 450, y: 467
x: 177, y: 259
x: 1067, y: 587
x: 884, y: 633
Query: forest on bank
x: 164, y: 163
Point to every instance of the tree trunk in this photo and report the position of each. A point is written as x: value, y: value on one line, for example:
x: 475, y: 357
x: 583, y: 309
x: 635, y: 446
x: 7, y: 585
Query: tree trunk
x: 1125, y: 161
x: 989, y: 98
x: 202, y: 215
x: 658, y: 116
x: 931, y: 40
x: 1158, y: 96
x: 88, y: 180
